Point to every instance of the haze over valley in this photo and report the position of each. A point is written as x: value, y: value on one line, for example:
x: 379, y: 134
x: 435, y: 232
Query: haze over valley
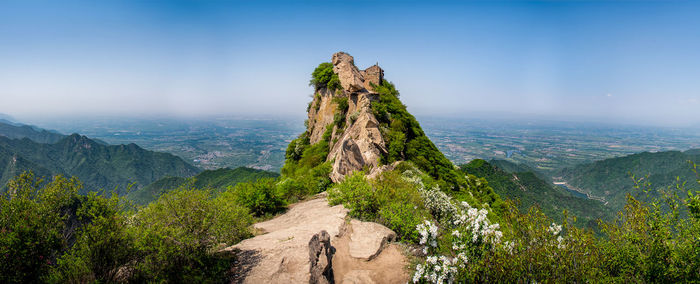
x: 181, y: 141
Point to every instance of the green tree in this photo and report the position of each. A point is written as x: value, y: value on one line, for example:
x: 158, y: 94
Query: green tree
x: 33, y: 231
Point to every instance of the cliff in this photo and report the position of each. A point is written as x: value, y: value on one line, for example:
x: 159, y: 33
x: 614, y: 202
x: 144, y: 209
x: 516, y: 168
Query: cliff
x: 358, y: 113
x: 355, y: 140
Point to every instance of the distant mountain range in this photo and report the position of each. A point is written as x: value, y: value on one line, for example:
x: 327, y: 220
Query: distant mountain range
x: 611, y: 179
x: 96, y: 164
x: 216, y: 180
x: 15, y: 130
x: 519, y: 182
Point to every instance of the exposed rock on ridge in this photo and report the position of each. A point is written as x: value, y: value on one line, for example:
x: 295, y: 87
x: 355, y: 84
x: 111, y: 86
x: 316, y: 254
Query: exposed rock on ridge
x: 284, y: 254
x: 314, y: 243
x: 360, y: 144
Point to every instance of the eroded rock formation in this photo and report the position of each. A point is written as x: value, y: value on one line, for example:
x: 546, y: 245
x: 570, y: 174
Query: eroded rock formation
x: 321, y: 259
x: 359, y: 143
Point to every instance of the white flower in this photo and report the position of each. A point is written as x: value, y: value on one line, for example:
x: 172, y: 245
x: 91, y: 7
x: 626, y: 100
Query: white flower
x: 555, y: 229
x: 418, y: 274
x: 560, y: 242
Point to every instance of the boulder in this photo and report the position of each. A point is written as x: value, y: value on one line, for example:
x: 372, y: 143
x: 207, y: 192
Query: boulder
x: 368, y: 239
x: 313, y: 243
x: 321, y: 259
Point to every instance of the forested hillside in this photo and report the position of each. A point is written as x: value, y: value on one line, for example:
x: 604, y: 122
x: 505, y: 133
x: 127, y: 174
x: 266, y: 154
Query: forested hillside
x: 530, y: 190
x: 97, y: 165
x: 612, y: 179
x: 215, y: 180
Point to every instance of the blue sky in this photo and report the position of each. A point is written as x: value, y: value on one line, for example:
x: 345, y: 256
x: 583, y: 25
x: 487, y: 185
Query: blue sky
x: 619, y: 61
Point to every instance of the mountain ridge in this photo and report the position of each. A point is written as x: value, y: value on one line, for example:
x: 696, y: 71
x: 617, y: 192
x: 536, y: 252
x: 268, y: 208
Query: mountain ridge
x: 611, y: 179
x: 98, y: 166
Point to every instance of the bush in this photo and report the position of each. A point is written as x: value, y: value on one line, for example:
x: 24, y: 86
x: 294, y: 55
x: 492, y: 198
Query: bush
x: 102, y: 246
x: 356, y: 194
x: 649, y: 243
x: 403, y: 218
x: 389, y: 200
x: 33, y: 220
x: 306, y: 170
x: 178, y: 234
x: 260, y: 197
x: 323, y: 76
x: 52, y: 234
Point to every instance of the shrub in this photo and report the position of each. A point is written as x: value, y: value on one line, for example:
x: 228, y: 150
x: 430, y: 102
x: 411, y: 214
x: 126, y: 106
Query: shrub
x: 357, y: 195
x: 32, y: 223
x: 649, y: 242
x: 102, y: 246
x: 323, y: 76
x: 178, y: 233
x: 389, y: 200
x: 296, y: 148
x: 306, y: 170
x: 402, y: 217
x: 260, y: 197
x: 354, y: 116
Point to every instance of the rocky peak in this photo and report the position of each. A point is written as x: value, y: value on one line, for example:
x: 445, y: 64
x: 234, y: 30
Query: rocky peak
x: 355, y: 142
x: 353, y: 79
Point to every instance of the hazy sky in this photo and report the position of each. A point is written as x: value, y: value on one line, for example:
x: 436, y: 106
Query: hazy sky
x: 621, y: 61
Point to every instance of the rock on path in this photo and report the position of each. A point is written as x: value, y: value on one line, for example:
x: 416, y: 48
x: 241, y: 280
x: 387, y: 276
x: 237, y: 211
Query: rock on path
x: 294, y: 249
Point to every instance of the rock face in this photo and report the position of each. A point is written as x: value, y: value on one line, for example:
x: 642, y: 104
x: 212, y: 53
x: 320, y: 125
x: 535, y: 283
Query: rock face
x: 321, y: 114
x: 350, y: 78
x: 360, y: 144
x: 313, y: 243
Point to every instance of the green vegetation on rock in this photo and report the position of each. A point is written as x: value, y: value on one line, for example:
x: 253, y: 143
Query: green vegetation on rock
x: 405, y: 140
x: 324, y: 77
x: 306, y: 170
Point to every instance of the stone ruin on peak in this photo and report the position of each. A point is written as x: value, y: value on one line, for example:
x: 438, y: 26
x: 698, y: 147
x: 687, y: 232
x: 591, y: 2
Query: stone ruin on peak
x: 359, y: 144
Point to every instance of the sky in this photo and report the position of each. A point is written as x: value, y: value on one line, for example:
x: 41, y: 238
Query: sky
x: 614, y: 61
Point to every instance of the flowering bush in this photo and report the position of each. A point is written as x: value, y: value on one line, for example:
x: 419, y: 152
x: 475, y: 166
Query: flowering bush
x: 471, y: 235
x: 437, y: 202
